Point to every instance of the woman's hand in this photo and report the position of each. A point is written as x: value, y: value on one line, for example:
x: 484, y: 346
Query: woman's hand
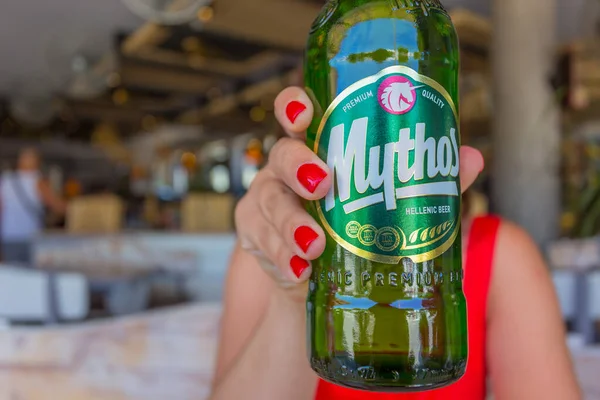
x: 270, y: 219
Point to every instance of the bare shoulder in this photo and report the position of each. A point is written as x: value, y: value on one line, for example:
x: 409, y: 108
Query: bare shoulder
x: 513, y: 238
x: 517, y: 256
x: 518, y: 266
x: 525, y: 326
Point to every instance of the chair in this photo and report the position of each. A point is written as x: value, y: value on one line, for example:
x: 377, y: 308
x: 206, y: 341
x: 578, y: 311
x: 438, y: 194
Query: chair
x: 95, y: 214
x: 207, y: 212
x: 28, y: 295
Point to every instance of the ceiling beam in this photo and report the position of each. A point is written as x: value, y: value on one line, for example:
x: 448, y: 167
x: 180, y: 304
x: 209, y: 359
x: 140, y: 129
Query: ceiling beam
x: 474, y: 30
x: 280, y: 23
x: 106, y: 112
x: 234, y: 69
x: 148, y: 35
x: 160, y: 78
x: 250, y: 95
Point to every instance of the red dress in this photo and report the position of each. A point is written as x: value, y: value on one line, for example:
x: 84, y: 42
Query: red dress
x: 472, y: 386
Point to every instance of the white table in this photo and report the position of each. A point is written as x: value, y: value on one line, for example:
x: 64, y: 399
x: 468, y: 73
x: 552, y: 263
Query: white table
x: 161, y: 355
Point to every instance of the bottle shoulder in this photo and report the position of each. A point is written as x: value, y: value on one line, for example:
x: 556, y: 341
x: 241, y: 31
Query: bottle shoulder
x: 359, y: 41
x: 376, y: 31
x: 341, y: 11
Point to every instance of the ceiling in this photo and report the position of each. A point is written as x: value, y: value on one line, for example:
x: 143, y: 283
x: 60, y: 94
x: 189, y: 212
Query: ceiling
x: 245, y: 54
x: 29, y: 30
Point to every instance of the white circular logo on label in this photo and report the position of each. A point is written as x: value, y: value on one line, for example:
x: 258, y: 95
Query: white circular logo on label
x: 397, y: 95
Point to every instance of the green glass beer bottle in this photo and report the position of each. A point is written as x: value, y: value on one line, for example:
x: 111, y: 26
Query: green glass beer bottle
x: 386, y: 310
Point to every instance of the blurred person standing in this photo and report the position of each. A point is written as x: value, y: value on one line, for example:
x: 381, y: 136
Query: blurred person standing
x: 24, y: 196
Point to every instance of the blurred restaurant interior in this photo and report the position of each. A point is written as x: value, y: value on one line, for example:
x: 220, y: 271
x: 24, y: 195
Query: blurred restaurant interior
x: 152, y: 117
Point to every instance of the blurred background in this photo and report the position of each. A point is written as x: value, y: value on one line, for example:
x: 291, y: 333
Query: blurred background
x: 152, y: 117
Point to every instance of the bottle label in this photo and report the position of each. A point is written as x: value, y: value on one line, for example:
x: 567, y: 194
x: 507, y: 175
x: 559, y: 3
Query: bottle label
x: 392, y: 143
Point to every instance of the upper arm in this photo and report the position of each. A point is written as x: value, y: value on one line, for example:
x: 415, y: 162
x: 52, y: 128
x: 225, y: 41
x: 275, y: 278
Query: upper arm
x: 527, y: 352
x: 247, y: 291
x: 51, y: 199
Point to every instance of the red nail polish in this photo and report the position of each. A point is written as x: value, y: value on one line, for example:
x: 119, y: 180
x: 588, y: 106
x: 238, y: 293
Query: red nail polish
x: 293, y: 110
x: 304, y: 237
x: 298, y: 265
x: 310, y: 176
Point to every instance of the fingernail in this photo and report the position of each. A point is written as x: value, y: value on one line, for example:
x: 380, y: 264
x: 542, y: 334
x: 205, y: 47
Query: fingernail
x: 298, y: 265
x: 293, y: 110
x: 310, y: 176
x: 304, y: 237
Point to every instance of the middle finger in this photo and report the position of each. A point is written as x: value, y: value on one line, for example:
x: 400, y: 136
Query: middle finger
x: 300, y: 169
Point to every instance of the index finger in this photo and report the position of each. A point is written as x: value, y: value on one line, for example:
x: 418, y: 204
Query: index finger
x: 294, y: 111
